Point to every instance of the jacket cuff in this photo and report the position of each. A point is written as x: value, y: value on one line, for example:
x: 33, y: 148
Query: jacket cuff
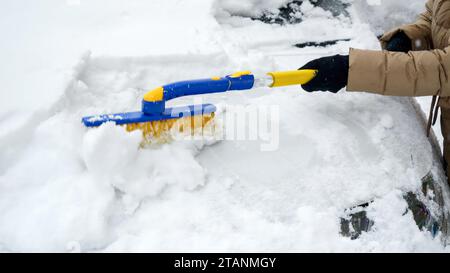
x: 365, y: 71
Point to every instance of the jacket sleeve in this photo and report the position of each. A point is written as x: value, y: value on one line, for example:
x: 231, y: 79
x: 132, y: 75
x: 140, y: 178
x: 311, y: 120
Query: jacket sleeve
x: 419, y: 32
x: 417, y: 73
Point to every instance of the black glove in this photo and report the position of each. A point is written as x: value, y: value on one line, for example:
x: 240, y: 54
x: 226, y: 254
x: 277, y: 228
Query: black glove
x: 399, y: 43
x: 332, y: 74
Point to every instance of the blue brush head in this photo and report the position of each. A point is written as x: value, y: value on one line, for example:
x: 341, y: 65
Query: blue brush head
x: 138, y: 117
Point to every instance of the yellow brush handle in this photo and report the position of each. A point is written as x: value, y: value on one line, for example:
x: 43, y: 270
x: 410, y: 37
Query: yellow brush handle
x: 294, y: 77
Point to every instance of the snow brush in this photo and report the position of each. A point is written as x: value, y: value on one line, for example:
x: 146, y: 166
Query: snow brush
x: 155, y: 120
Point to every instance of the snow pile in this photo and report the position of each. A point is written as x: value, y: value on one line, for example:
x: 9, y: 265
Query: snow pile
x: 73, y: 187
x: 113, y: 155
x: 66, y: 188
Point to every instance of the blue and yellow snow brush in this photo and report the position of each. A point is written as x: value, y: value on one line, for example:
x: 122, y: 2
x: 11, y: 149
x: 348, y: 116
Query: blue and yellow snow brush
x: 155, y: 119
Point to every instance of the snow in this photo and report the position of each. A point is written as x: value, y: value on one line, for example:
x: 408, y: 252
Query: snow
x: 250, y: 8
x: 68, y: 189
x: 395, y: 12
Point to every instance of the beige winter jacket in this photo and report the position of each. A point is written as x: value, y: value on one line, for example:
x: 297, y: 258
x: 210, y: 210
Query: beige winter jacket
x: 422, y: 72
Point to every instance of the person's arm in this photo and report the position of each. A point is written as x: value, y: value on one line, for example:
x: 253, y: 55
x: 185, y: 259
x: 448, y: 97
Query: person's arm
x: 416, y: 73
x: 419, y: 32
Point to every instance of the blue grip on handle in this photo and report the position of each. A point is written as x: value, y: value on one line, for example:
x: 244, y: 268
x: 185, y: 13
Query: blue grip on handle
x: 206, y: 86
x: 196, y: 87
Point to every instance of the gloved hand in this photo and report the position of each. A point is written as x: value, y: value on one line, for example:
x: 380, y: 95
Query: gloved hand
x: 399, y: 43
x: 332, y: 74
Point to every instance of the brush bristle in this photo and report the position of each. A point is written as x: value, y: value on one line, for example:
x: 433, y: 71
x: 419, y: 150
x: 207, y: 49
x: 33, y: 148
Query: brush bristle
x: 162, y: 131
